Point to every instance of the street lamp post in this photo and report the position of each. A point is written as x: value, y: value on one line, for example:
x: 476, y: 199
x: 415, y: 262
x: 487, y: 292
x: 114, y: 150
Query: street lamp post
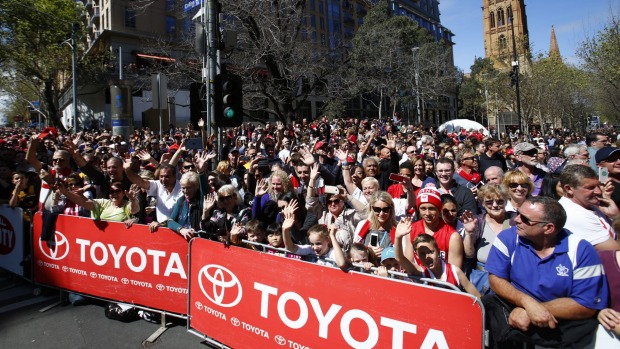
x: 486, y: 98
x: 515, y: 68
x: 416, y: 59
x: 72, y: 44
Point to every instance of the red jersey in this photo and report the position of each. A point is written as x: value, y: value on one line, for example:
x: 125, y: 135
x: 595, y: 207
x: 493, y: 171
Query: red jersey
x: 448, y: 274
x: 442, y: 236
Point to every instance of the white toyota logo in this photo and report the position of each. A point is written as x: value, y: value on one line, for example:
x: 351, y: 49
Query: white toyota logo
x: 57, y: 249
x: 224, y: 285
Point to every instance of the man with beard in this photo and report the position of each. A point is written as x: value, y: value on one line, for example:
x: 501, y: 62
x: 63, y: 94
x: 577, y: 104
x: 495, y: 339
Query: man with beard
x: 527, y: 162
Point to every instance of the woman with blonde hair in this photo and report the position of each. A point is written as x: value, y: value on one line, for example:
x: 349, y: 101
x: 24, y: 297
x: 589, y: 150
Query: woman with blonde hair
x: 519, y: 186
x: 229, y: 212
x: 269, y: 189
x: 376, y: 231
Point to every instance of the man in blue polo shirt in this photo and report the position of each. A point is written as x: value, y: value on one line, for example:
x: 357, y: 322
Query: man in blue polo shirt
x: 548, y: 283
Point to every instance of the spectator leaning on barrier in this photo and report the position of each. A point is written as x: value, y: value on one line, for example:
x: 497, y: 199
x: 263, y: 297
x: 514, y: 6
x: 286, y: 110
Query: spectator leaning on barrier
x: 589, y: 212
x: 431, y: 265
x: 167, y: 190
x: 555, y: 306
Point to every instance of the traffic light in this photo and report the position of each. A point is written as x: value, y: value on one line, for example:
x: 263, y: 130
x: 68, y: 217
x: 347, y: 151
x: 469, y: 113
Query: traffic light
x: 228, y: 100
x: 513, y: 77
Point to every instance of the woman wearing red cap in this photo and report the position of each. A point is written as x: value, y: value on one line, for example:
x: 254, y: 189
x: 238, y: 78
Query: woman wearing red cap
x: 428, y: 205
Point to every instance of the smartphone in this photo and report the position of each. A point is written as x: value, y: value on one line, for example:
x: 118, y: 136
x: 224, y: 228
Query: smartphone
x: 396, y: 177
x: 330, y: 189
x: 194, y: 143
x: 374, y: 239
x: 480, y: 184
x: 603, y: 174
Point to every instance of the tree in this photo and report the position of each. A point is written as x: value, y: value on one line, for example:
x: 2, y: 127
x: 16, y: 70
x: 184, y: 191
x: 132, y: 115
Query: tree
x: 601, y: 54
x: 31, y: 51
x: 382, y: 58
x: 280, y: 57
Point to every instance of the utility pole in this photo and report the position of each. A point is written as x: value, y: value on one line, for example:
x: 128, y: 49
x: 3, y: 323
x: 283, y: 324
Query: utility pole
x: 416, y: 60
x: 515, y: 68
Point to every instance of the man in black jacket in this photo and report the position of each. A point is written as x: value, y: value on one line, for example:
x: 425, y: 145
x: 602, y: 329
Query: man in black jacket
x: 465, y: 199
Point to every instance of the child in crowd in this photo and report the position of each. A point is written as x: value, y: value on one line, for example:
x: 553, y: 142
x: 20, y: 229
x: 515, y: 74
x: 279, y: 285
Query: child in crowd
x: 254, y: 232
x: 433, y: 266
x: 274, y: 235
x: 388, y: 263
x: 319, y: 248
x: 358, y: 253
x: 275, y: 240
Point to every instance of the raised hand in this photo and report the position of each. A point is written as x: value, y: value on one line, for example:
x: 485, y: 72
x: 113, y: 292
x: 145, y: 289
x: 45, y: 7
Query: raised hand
x: 132, y: 192
x: 201, y: 123
x: 306, y: 157
x: 144, y: 155
x: 403, y: 228
x: 391, y: 142
x: 289, y: 220
x: 341, y: 155
x: 209, y: 201
x: 262, y: 187
x: 469, y: 221
x: 291, y: 207
x: 314, y: 171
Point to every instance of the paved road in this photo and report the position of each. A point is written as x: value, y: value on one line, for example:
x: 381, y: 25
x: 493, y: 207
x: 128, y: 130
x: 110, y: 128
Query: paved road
x: 22, y: 325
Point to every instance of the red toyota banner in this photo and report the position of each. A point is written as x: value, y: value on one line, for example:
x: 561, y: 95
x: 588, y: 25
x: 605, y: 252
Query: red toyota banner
x: 107, y: 260
x: 247, y: 299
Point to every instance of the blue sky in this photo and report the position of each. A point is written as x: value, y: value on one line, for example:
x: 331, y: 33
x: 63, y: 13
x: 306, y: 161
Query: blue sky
x: 574, y: 20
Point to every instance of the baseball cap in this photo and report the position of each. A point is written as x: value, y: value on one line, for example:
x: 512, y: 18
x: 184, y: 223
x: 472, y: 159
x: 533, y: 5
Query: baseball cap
x: 387, y: 253
x: 523, y: 147
x: 605, y: 153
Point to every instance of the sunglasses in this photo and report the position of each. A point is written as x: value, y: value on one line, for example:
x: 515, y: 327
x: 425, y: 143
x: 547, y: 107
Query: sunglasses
x: 473, y: 158
x: 528, y: 221
x: 333, y: 202
x: 497, y: 202
x: 189, y: 167
x: 381, y: 209
x: 516, y: 185
x: 225, y: 198
x: 115, y: 191
x: 58, y: 160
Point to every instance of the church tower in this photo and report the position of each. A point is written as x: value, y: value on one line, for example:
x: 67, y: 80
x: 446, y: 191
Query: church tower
x: 554, y: 48
x: 498, y: 44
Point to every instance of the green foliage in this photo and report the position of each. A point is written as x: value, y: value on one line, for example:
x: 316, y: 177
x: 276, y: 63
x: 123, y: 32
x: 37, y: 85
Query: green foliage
x: 382, y: 58
x: 31, y: 49
x: 601, y: 54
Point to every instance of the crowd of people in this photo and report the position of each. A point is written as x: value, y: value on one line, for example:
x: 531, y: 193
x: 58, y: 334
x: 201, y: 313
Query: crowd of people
x: 478, y: 211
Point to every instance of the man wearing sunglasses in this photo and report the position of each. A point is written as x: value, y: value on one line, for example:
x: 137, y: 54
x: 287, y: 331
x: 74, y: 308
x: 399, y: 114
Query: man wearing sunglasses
x: 527, y: 162
x: 549, y: 281
x: 589, y: 213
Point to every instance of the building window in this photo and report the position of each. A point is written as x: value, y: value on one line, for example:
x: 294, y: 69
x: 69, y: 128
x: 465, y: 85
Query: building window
x: 492, y: 20
x: 503, y: 43
x: 500, y: 17
x: 130, y: 18
x: 322, y: 23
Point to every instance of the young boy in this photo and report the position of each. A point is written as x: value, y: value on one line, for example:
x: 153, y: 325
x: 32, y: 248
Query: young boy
x: 433, y: 267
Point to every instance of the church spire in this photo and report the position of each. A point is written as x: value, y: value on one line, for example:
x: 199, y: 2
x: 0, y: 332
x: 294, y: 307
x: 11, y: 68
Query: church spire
x: 554, y: 49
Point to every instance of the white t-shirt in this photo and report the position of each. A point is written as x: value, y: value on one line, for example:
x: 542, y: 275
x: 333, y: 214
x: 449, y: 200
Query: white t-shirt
x: 590, y: 225
x: 165, y: 201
